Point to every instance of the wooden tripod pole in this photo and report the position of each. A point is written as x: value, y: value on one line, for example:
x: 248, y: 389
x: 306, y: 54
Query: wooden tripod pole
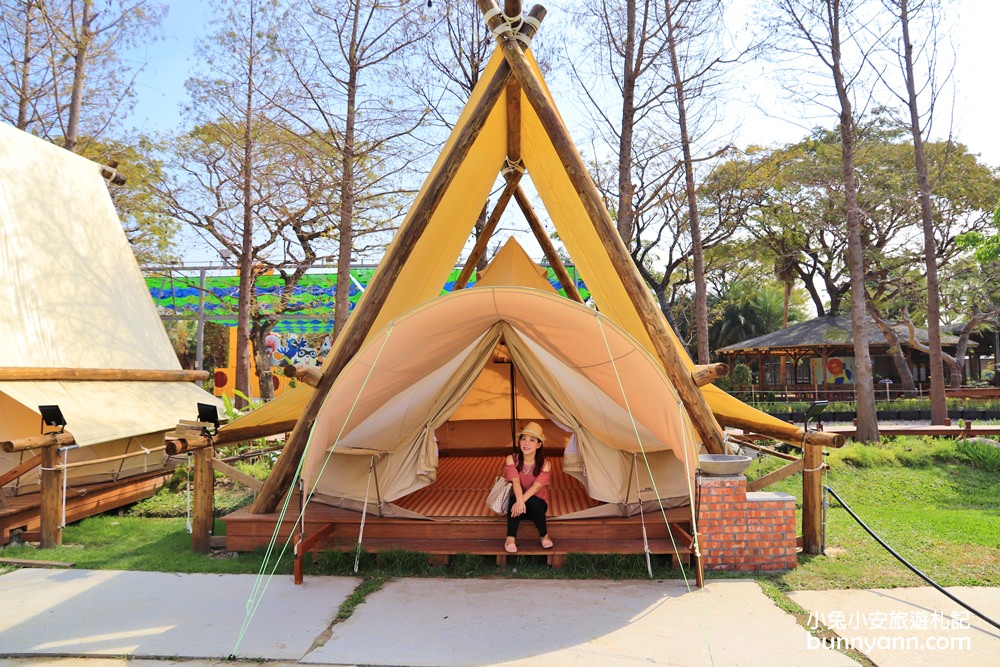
x: 654, y: 322
x: 547, y: 247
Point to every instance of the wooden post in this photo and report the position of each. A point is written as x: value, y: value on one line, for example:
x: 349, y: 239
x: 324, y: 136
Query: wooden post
x: 202, y: 500
x: 51, y: 498
x: 812, y: 499
x: 547, y: 247
x: 649, y: 312
x: 484, y: 236
x: 360, y: 322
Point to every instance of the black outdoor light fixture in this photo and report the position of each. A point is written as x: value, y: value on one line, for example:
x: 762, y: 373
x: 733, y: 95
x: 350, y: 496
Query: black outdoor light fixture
x: 52, y: 416
x: 209, y: 414
x: 813, y: 412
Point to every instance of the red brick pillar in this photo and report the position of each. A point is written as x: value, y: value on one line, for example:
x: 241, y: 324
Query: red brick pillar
x: 745, y: 532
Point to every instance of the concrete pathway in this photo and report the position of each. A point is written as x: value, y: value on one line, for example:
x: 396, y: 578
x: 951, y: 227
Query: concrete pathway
x: 911, y: 627
x: 108, y: 619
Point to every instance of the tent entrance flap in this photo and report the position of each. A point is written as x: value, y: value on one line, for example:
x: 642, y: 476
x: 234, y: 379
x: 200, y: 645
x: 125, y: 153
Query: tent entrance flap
x: 433, y: 388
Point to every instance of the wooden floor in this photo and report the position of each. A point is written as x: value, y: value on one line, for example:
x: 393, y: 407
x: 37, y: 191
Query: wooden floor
x: 449, y: 532
x: 21, y: 514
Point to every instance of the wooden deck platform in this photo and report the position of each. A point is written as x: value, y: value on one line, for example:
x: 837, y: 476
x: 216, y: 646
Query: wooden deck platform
x: 461, y: 524
x: 21, y: 514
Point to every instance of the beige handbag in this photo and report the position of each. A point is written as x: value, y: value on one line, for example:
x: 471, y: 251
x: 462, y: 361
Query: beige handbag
x: 499, y: 496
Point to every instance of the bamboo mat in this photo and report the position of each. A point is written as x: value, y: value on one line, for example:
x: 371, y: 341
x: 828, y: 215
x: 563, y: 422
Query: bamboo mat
x: 463, y: 482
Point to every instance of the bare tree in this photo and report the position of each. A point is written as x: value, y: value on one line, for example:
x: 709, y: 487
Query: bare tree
x: 908, y: 15
x: 63, y: 70
x: 665, y: 58
x: 822, y: 29
x: 223, y: 168
x: 343, y: 60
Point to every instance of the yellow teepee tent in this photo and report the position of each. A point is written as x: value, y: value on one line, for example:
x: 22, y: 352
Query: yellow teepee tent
x: 510, y: 126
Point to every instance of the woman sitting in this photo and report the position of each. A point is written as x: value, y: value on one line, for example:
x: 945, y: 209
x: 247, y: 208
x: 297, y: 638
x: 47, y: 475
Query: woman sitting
x: 529, y: 474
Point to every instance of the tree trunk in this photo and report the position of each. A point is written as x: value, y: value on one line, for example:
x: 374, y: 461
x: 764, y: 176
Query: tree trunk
x: 864, y: 387
x: 939, y: 408
x: 81, y: 47
x: 700, y: 288
x: 262, y: 361
x: 896, y: 350
x: 24, y: 94
x: 247, y: 277
x: 342, y: 301
x: 626, y: 211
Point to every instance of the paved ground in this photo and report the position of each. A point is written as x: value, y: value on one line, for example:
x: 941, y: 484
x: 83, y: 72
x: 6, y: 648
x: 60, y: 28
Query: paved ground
x: 100, y: 618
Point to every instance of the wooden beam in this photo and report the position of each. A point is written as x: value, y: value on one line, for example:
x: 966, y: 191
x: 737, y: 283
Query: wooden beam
x: 707, y: 374
x: 797, y: 438
x: 102, y: 374
x: 513, y: 103
x: 230, y: 435
x: 118, y: 457
x: 775, y: 476
x: 237, y: 474
x: 479, y: 249
x: 22, y: 562
x: 766, y: 450
x: 551, y: 254
x: 513, y: 121
x: 38, y: 442
x: 649, y: 312
x: 360, y: 322
x: 308, y: 374
x: 19, y: 470
x: 50, y: 512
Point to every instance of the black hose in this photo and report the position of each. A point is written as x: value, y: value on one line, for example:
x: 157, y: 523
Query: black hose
x: 903, y: 560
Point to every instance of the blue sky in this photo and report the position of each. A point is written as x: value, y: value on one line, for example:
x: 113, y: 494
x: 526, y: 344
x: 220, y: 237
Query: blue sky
x: 160, y: 87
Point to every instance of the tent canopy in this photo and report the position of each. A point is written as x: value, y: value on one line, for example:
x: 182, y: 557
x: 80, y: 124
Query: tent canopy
x: 584, y: 373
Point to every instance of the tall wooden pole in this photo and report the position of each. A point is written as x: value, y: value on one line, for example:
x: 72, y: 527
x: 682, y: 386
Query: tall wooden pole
x: 654, y: 322
x: 360, y: 322
x: 555, y: 261
x: 202, y: 501
x: 50, y: 513
x: 484, y: 236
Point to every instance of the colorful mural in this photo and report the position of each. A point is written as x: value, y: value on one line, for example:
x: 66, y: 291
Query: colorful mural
x: 839, y: 370
x: 310, y: 308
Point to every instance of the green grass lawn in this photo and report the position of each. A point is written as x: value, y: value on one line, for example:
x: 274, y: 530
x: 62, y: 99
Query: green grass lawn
x: 943, y: 517
x: 938, y: 511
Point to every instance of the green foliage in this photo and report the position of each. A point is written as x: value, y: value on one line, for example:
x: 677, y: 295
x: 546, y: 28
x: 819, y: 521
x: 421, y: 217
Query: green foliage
x: 169, y: 503
x: 149, y: 229
x: 981, y: 455
x: 911, y: 452
x: 742, y: 375
x: 987, y: 248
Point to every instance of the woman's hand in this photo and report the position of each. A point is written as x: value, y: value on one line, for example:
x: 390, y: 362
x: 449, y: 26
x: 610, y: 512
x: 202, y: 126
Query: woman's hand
x: 518, y: 509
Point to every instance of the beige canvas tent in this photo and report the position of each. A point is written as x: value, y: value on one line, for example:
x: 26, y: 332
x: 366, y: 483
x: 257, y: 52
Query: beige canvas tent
x: 509, y: 127
x: 429, y: 381
x: 78, y: 324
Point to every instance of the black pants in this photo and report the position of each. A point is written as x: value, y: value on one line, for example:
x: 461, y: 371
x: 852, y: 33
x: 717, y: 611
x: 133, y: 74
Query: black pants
x: 534, y: 509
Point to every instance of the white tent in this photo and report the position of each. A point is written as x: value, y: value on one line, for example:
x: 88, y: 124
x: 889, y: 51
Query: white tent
x: 73, y: 297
